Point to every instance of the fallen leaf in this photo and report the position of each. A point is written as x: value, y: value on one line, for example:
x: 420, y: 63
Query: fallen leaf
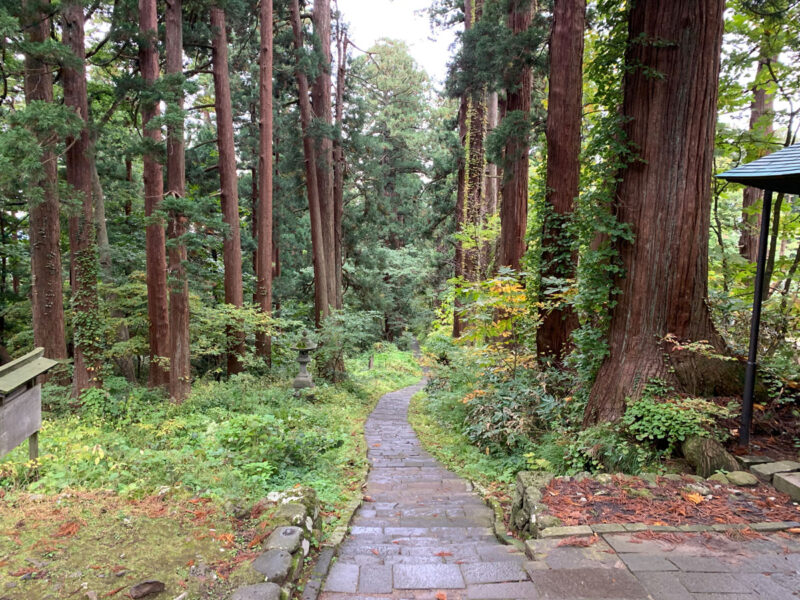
x: 441, y: 596
x: 375, y: 552
x: 68, y: 529
x: 794, y: 530
x: 443, y: 554
x: 693, y: 497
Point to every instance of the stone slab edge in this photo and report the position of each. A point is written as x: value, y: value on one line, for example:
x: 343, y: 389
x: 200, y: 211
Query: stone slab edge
x: 498, y: 524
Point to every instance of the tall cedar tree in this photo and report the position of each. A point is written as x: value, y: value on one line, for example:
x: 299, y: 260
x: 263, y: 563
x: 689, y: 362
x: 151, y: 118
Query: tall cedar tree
x: 229, y: 184
x: 338, y: 160
x: 83, y: 252
x: 665, y: 197
x: 323, y: 113
x: 264, y: 209
x: 761, y: 109
x: 155, y: 237
x: 321, y: 302
x: 180, y: 377
x: 514, y: 207
x: 45, y: 226
x: 564, y: 112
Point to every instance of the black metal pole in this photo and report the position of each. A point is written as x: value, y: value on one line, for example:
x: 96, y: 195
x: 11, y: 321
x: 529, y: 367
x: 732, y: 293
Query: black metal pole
x: 755, y: 323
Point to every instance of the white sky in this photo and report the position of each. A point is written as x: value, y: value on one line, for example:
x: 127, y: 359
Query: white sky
x: 371, y: 20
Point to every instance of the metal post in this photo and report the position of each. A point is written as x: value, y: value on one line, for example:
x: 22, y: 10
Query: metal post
x: 755, y: 323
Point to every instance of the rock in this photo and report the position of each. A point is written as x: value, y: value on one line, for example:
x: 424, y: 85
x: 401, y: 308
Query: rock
x: 539, y: 479
x: 546, y: 521
x: 707, y: 456
x: 651, y: 478
x: 583, y: 475
x: 284, y: 538
x: 788, y: 483
x: 721, y: 478
x: 767, y: 470
x: 274, y: 565
x: 696, y: 478
x: 742, y: 478
x: 146, y: 588
x: 700, y: 489
x: 604, y: 478
x: 639, y: 492
x: 260, y: 591
x: 673, y: 477
x: 292, y: 513
x: 749, y: 460
x: 91, y: 595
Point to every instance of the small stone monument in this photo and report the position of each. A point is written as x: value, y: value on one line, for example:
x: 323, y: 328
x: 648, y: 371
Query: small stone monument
x: 304, y: 348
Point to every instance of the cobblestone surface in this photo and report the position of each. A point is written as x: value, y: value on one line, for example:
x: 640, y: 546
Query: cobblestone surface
x: 422, y: 534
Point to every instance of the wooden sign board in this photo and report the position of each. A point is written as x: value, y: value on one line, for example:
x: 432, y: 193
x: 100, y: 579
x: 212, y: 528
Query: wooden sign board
x: 20, y: 418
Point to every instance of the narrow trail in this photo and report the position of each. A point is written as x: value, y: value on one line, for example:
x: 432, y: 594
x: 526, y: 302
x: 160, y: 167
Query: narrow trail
x: 422, y: 529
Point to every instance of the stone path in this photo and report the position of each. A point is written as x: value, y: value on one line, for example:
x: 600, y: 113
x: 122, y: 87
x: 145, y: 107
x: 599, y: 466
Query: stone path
x: 423, y: 534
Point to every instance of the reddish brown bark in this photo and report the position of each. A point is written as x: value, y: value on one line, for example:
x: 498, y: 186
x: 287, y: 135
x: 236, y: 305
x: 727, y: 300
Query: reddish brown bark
x: 321, y: 303
x: 761, y: 109
x: 83, y: 252
x: 458, y: 258
x: 228, y: 179
x: 322, y: 111
x: 45, y: 228
x: 564, y: 112
x: 514, y: 207
x: 180, y: 375
x: 264, y: 212
x: 665, y: 197
x: 339, y: 163
x: 155, y: 237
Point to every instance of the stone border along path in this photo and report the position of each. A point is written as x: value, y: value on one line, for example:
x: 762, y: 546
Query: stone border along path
x: 422, y: 534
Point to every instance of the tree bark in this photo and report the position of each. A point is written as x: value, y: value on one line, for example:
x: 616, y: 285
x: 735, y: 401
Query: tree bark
x: 180, y: 367
x: 321, y: 108
x: 83, y: 251
x: 44, y: 226
x: 665, y: 197
x: 564, y: 114
x: 761, y: 110
x: 152, y: 174
x: 339, y: 163
x: 458, y: 258
x: 321, y: 303
x: 491, y: 168
x: 232, y: 247
x: 514, y: 207
x: 264, y: 212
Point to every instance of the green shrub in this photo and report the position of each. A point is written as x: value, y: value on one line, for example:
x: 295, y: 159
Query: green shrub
x: 605, y: 448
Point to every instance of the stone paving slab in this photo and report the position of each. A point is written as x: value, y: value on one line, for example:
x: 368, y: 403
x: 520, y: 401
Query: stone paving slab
x: 422, y: 533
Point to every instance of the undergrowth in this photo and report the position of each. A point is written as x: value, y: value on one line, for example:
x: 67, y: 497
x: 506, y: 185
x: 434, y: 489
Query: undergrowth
x: 232, y: 440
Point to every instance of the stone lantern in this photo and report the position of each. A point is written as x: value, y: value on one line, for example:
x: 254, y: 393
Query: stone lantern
x: 304, y: 348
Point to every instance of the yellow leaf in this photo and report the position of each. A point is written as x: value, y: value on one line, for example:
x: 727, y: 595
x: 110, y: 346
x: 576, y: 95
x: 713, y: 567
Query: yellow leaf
x: 694, y: 498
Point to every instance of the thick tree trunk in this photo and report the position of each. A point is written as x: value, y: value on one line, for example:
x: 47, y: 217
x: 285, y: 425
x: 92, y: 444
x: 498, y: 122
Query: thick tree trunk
x: 232, y: 247
x: 339, y: 163
x: 458, y: 258
x: 564, y: 114
x: 491, y: 168
x: 264, y: 213
x: 665, y: 197
x: 321, y: 302
x: 45, y: 227
x: 153, y: 193
x: 321, y: 108
x: 514, y: 207
x: 180, y: 369
x: 761, y: 110
x: 83, y: 251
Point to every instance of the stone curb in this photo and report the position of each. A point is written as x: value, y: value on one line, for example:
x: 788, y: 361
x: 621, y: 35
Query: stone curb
x: 498, y: 524
x: 286, y: 548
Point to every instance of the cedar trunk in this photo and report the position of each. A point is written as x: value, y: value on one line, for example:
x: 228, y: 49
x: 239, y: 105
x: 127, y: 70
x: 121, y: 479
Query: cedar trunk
x: 665, y: 197
x: 232, y: 248
x: 564, y: 112
x: 339, y: 163
x: 180, y: 376
x: 45, y: 227
x: 264, y: 209
x: 514, y: 207
x: 458, y: 258
x: 761, y: 109
x: 321, y: 304
x: 155, y: 238
x: 323, y: 145
x: 83, y: 251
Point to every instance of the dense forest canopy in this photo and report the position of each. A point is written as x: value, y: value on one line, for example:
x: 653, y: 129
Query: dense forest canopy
x: 186, y: 188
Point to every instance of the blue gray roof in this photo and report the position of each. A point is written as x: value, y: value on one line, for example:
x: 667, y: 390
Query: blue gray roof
x: 779, y: 171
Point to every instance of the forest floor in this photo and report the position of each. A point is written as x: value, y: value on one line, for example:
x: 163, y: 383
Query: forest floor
x: 140, y: 491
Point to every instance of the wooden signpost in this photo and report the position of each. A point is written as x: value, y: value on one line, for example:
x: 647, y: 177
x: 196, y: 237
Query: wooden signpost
x: 21, y: 401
